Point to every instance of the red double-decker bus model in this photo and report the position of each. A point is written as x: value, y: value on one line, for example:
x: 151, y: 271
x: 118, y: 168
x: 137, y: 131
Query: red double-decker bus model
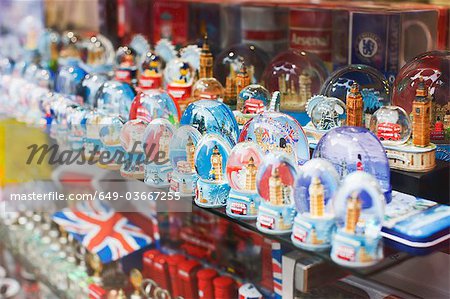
x: 388, y: 131
x: 253, y: 106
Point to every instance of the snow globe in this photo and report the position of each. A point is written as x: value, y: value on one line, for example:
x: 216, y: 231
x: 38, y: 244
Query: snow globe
x: 298, y: 75
x: 70, y: 51
x: 275, y: 182
x: 352, y: 149
x: 111, y: 155
x: 156, y: 141
x: 392, y: 126
x: 152, y: 104
x: 182, y: 153
x: 179, y: 77
x: 115, y: 97
x: 63, y: 113
x: 75, y: 122
x: 208, y: 89
x: 252, y: 100
x: 92, y: 143
x: 126, y: 65
x: 315, y: 186
x: 89, y: 86
x: 276, y: 131
x: 359, y: 209
x: 367, y: 82
x: 48, y: 47
x: 98, y: 54
x: 151, y: 72
x: 208, y: 116
x: 325, y: 113
x: 131, y: 137
x: 241, y: 63
x: 211, y: 156
x: 241, y: 169
x: 68, y: 79
x: 434, y: 68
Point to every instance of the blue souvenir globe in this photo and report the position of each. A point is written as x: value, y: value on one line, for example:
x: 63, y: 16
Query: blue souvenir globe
x: 131, y: 137
x: 115, y: 97
x: 92, y: 143
x: 153, y: 104
x: 210, y: 158
x: 352, y: 149
x: 68, y: 79
x: 156, y: 142
x: 315, y: 186
x: 275, y: 131
x: 182, y: 152
x: 112, y: 154
x: 209, y: 116
x: 252, y: 100
x: 359, y: 209
x: 373, y: 85
x: 88, y: 88
x: 275, y: 183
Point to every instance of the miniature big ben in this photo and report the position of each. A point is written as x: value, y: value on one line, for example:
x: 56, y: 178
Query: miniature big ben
x: 250, y: 175
x: 304, y: 87
x: 206, y: 61
x: 355, y: 107
x: 421, y: 116
x: 216, y: 165
x: 164, y: 144
x: 190, y: 152
x: 353, y: 212
x: 275, y: 188
x: 316, y: 198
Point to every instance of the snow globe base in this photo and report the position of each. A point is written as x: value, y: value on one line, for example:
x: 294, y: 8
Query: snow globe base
x: 411, y: 158
x: 355, y: 251
x: 242, y: 205
x: 157, y: 175
x: 275, y: 220
x: 312, y: 233
x: 211, y: 194
x: 92, y: 148
x: 184, y: 183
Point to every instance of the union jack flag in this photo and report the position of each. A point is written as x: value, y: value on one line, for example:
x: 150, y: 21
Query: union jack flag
x: 102, y: 230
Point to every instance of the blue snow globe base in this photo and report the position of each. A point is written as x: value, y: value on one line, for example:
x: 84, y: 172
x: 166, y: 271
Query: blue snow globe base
x: 275, y: 219
x: 210, y: 194
x: 351, y: 250
x: 243, y: 205
x: 133, y: 166
x: 312, y: 233
x: 184, y: 183
x: 157, y: 175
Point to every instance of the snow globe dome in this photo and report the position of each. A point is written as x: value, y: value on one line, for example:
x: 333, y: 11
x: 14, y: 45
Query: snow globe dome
x: 238, y: 171
x: 276, y: 131
x: 6, y: 66
x: 253, y: 91
x: 326, y: 112
x: 151, y: 71
x: 229, y: 62
x: 75, y: 122
x: 373, y: 85
x: 132, y: 134
x: 126, y: 64
x: 275, y: 182
x: 359, y: 209
x: 434, y: 68
x: 178, y: 71
x: 208, y: 89
x: 110, y: 128
x: 115, y: 97
x: 68, y: 79
x: 207, y: 166
x: 70, y: 47
x: 211, y: 156
x: 44, y: 78
x: 391, y: 125
x: 88, y: 88
x: 298, y: 75
x: 182, y: 152
x: 315, y: 186
x: 208, y: 116
x: 152, y: 104
x: 92, y: 142
x: 98, y: 53
x: 352, y: 149
x: 182, y: 149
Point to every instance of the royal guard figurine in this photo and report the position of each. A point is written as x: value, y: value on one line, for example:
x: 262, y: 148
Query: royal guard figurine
x: 355, y: 107
x: 211, y: 158
x: 359, y: 209
x: 314, y: 188
x: 393, y: 127
x: 126, y: 67
x: 179, y: 77
x: 275, y: 182
x: 242, y: 167
x: 151, y: 73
